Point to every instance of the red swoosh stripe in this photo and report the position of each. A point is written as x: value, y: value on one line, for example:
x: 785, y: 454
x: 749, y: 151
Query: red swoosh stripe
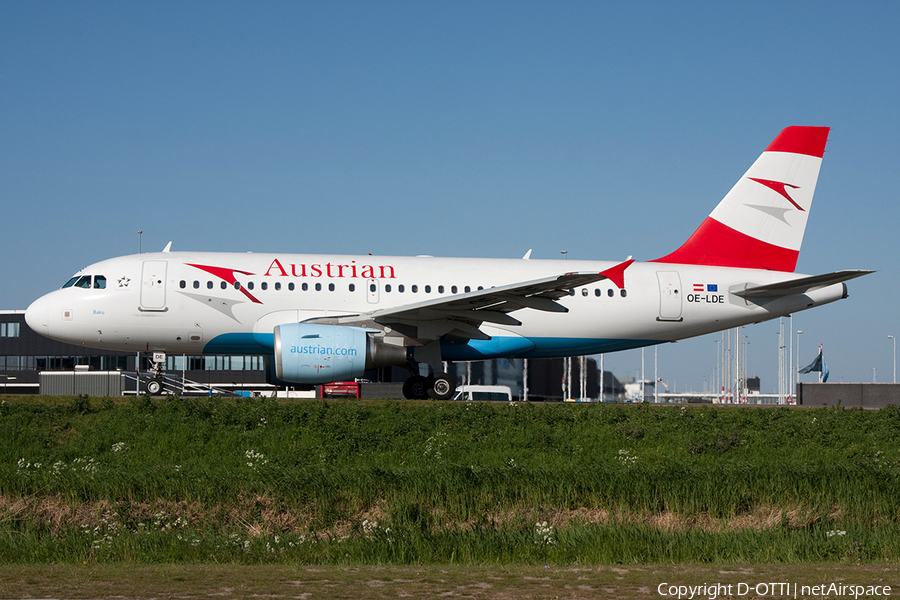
x: 226, y: 275
x: 780, y: 188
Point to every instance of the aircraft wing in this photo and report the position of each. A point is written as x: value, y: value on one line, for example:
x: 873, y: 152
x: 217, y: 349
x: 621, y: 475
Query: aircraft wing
x: 461, y: 315
x: 796, y: 286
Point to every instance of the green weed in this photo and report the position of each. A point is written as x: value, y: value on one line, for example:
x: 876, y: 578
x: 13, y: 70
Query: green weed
x: 358, y: 482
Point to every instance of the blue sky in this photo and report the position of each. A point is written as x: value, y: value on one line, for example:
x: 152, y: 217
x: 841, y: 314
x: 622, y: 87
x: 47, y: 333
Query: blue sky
x: 452, y: 129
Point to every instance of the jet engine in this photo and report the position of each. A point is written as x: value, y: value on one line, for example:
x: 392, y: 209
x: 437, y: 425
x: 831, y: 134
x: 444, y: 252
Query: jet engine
x: 306, y: 353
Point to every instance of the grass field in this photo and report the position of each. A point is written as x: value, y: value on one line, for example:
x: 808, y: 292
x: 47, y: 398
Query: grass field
x: 356, y: 483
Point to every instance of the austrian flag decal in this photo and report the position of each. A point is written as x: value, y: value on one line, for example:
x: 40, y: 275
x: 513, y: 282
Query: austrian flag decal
x: 706, y: 287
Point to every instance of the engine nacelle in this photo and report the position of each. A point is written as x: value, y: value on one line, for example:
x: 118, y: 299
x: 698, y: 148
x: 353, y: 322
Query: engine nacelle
x: 306, y: 353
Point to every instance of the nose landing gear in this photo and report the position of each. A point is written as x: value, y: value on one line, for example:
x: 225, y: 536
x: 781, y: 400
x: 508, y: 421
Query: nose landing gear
x: 154, y: 387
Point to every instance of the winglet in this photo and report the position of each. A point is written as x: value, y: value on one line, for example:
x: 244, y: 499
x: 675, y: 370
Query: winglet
x: 616, y: 274
x: 168, y: 247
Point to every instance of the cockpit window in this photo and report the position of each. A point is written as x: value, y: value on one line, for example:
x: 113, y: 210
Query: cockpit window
x: 84, y: 281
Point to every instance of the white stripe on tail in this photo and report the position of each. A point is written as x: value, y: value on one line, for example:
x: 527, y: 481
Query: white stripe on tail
x: 759, y: 224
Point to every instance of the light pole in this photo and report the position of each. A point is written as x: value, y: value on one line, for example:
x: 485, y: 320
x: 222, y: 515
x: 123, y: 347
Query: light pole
x: 139, y: 241
x: 716, y: 387
x: 656, y: 375
x: 565, y: 254
x: 893, y: 339
x: 799, y: 333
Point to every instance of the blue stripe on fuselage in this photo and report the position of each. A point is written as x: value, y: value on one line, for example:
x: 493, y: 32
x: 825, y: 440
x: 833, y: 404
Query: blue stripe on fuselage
x: 241, y: 343
x: 496, y: 347
x: 516, y: 347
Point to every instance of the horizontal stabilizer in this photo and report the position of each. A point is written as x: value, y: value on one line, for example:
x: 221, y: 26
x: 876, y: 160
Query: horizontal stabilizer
x: 792, y: 287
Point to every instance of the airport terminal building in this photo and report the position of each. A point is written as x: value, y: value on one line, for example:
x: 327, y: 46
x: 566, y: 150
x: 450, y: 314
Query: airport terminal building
x: 25, y: 354
x: 31, y: 363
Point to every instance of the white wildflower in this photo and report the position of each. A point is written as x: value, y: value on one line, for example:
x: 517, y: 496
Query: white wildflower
x: 543, y: 533
x: 627, y: 457
x: 255, y: 459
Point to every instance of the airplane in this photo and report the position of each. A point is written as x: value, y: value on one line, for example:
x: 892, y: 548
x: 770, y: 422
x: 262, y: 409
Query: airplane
x: 322, y: 318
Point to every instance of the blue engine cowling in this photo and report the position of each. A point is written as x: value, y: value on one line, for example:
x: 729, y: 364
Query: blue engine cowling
x: 306, y: 353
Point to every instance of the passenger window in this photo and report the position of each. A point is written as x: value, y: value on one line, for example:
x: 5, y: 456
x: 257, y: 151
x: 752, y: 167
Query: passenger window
x: 305, y: 287
x: 623, y: 293
x: 277, y: 286
x: 291, y: 287
x: 427, y: 289
x: 468, y: 289
x: 264, y: 286
x: 584, y: 292
x: 609, y: 292
x: 71, y: 282
x: 224, y: 285
x: 400, y: 288
x: 209, y: 285
x: 249, y: 285
x: 372, y: 287
x: 597, y: 292
x: 100, y: 282
x: 182, y: 284
x: 237, y: 285
x: 387, y: 287
x: 453, y: 289
x: 84, y: 282
x: 330, y: 287
x: 196, y: 285
x: 415, y: 289
x: 318, y: 287
x: 440, y: 289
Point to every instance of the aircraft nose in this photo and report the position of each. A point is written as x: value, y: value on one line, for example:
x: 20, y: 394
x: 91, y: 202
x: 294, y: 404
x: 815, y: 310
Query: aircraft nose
x: 38, y: 316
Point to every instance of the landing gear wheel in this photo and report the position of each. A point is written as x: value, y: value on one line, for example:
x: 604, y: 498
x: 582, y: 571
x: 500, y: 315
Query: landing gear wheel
x: 441, y: 386
x: 415, y: 388
x: 154, y: 387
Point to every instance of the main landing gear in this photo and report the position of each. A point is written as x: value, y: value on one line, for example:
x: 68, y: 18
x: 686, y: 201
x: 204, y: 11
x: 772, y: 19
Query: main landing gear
x: 439, y: 386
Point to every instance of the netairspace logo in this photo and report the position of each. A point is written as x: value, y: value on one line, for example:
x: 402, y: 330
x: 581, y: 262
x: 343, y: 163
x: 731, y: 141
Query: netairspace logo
x: 711, y: 591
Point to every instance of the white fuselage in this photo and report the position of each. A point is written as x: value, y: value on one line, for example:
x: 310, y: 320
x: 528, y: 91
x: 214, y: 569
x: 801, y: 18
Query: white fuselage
x: 230, y: 303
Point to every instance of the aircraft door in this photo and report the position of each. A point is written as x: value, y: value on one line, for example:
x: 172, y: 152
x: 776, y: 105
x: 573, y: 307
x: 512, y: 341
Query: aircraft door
x: 373, y: 291
x: 670, y: 294
x: 153, y: 285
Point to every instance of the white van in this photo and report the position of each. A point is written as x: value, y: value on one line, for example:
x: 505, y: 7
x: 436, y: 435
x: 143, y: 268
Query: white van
x: 483, y: 392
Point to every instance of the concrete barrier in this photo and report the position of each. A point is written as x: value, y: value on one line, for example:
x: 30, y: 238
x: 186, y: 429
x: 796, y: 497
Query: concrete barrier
x: 848, y: 395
